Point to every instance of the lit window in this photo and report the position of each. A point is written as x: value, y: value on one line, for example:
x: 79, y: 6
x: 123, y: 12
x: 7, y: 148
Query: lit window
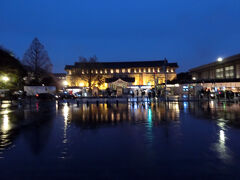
x: 172, y: 70
x: 229, y: 72
x: 129, y: 70
x: 144, y: 70
x: 219, y: 73
x: 158, y: 70
x: 111, y: 70
x: 135, y: 70
x: 140, y: 70
x: 117, y: 70
x: 167, y: 70
x: 101, y: 71
x: 91, y: 71
x: 105, y: 71
x: 149, y: 69
x: 82, y: 71
x: 123, y: 70
x: 153, y: 70
x: 96, y: 71
x: 70, y: 72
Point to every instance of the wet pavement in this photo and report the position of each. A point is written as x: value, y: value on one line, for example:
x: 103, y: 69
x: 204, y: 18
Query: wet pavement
x: 178, y: 140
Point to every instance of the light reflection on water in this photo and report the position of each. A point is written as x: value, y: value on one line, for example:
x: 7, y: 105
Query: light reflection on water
x: 223, y: 151
x: 5, y: 121
x: 172, y: 128
x: 66, y: 117
x: 149, y: 126
x: 5, y: 139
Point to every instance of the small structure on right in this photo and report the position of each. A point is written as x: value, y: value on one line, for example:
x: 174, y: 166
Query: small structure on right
x: 223, y: 74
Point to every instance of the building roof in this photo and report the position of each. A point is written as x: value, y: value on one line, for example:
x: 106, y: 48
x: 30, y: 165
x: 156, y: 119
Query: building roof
x: 216, y: 63
x: 126, y: 79
x: 59, y: 74
x: 184, y: 81
x: 131, y: 64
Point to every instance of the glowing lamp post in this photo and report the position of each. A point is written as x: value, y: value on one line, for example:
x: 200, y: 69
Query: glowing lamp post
x: 81, y: 84
x: 5, y: 78
x: 220, y: 59
x: 65, y: 83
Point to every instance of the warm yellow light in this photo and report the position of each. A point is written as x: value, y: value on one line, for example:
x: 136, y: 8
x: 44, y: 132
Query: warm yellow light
x: 81, y: 84
x: 5, y: 125
x: 5, y: 111
x: 5, y: 78
x: 65, y: 113
x: 111, y: 70
x: 65, y: 83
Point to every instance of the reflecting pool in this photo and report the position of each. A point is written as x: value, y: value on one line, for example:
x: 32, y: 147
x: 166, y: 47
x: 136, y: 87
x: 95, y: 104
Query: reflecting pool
x: 120, y: 141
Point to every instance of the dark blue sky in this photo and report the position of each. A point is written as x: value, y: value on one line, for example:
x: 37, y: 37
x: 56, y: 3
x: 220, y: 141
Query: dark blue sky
x: 190, y: 32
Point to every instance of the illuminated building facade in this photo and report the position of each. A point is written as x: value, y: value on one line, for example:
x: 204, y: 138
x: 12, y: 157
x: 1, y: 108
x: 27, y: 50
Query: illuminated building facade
x: 226, y: 69
x: 123, y: 74
x: 221, y: 74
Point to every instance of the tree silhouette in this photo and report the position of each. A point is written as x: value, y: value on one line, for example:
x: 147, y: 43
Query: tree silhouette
x: 37, y: 59
x: 12, y: 68
x: 90, y: 66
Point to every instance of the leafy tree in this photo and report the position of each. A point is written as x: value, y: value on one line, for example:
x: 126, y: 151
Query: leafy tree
x: 37, y: 59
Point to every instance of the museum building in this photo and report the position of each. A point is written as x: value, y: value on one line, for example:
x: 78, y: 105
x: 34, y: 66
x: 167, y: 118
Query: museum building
x: 120, y: 74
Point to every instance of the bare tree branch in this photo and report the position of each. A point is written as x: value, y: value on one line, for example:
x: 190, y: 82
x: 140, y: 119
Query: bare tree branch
x: 89, y: 71
x: 36, y: 57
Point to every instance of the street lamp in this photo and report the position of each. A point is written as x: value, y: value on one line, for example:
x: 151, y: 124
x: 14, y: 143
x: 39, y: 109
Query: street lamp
x: 5, y: 78
x: 220, y: 59
x: 65, y: 83
x: 81, y: 84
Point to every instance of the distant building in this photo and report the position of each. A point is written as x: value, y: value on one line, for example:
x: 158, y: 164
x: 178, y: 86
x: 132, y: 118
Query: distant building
x: 222, y: 74
x: 124, y: 74
x: 60, y: 76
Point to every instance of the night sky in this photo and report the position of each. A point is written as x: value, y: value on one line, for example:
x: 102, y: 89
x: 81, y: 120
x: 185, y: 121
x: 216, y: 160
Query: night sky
x: 190, y: 32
